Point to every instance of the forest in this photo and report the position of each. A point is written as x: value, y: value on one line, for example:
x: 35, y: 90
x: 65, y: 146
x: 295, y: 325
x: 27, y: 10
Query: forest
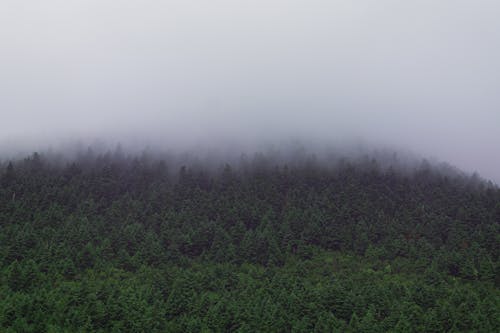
x: 110, y: 242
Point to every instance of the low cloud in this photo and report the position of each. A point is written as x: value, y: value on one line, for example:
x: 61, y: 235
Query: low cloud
x: 422, y: 75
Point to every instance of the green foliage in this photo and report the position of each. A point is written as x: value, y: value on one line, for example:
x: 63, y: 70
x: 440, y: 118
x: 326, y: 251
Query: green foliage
x: 116, y: 244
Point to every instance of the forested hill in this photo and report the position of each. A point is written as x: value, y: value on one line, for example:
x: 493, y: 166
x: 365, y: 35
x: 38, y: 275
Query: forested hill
x: 110, y: 243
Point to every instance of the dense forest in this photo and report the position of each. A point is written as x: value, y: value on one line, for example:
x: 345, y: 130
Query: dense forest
x: 117, y: 243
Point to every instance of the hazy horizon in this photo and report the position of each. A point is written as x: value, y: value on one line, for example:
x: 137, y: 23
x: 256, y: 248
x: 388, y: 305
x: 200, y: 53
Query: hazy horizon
x: 422, y: 76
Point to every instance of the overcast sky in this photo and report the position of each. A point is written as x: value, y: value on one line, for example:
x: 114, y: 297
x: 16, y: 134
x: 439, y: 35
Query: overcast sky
x: 421, y: 74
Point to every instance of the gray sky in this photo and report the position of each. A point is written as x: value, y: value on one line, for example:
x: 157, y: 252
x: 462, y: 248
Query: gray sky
x: 422, y: 75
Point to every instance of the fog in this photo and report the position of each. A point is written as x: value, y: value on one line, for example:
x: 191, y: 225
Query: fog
x: 414, y: 75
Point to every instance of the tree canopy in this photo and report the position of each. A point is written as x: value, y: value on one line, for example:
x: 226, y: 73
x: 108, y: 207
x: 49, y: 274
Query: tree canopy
x: 116, y: 243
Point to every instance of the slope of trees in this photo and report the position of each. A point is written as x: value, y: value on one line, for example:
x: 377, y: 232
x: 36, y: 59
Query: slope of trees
x: 111, y: 243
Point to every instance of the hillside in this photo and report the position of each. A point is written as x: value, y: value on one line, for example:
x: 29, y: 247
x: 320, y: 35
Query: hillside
x: 117, y: 243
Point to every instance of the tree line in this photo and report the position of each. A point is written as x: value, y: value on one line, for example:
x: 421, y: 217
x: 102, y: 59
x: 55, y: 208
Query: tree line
x: 114, y: 243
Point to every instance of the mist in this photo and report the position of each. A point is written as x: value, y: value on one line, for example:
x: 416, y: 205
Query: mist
x: 421, y: 76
